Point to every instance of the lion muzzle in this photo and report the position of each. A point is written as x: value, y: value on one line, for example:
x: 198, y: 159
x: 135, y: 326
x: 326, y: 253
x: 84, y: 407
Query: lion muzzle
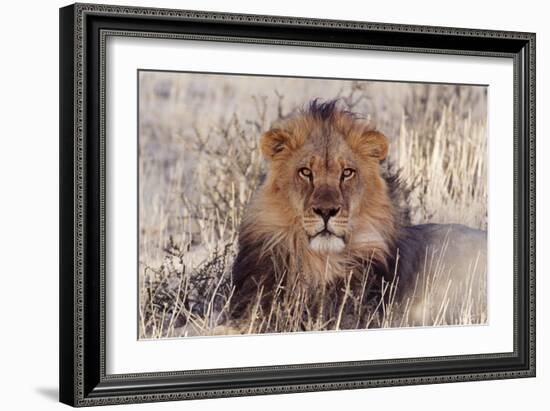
x: 325, y: 239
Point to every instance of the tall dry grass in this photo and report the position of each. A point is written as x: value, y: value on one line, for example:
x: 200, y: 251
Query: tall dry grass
x: 199, y: 165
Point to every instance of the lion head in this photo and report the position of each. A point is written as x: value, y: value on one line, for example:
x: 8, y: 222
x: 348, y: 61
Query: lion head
x: 325, y: 164
x: 324, y: 209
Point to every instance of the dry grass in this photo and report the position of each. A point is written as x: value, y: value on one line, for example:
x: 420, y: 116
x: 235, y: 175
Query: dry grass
x: 199, y: 165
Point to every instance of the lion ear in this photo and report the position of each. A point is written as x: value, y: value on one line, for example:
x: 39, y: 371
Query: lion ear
x: 374, y: 144
x: 274, y: 142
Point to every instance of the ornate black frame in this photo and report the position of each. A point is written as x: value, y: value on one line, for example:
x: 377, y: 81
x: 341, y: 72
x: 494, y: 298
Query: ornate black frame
x: 83, y: 30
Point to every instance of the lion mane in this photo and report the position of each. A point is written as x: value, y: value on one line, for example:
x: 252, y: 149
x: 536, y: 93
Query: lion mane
x: 327, y: 212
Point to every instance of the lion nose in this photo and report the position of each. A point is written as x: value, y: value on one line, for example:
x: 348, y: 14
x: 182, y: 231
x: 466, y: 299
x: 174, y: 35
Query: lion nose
x: 326, y: 213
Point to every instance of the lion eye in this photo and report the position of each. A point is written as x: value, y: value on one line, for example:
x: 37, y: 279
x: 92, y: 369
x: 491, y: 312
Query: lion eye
x: 348, y: 173
x: 305, y: 173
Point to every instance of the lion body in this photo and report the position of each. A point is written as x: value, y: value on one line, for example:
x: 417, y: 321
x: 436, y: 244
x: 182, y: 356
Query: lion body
x: 325, y: 216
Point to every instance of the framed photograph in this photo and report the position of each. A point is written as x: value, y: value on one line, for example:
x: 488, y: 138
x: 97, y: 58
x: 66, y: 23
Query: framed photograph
x: 260, y: 204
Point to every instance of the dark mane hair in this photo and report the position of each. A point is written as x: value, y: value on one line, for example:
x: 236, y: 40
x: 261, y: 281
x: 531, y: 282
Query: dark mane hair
x: 327, y: 110
x: 399, y: 193
x: 322, y: 110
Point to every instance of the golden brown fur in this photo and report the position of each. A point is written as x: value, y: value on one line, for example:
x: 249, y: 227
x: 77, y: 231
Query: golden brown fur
x: 326, y: 220
x: 324, y: 210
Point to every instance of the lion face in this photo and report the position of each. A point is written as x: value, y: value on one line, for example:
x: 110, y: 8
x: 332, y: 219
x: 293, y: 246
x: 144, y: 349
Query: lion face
x: 325, y: 191
x: 324, y: 166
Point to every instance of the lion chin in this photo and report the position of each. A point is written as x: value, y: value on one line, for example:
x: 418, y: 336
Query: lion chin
x: 326, y: 243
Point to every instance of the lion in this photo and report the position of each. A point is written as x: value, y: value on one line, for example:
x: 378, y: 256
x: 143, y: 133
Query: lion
x: 326, y: 214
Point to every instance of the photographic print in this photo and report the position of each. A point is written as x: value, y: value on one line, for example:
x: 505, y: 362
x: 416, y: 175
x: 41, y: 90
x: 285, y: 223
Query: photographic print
x: 282, y: 204
x: 249, y: 184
